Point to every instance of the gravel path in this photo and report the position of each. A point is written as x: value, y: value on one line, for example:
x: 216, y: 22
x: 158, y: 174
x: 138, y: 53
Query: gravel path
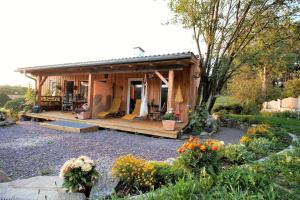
x: 28, y: 150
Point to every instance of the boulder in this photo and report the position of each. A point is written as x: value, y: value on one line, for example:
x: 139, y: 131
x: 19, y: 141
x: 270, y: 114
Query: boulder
x: 4, y: 177
x: 104, y: 187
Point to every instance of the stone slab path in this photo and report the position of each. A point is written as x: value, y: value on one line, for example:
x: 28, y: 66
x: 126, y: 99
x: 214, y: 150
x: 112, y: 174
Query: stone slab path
x: 37, y: 188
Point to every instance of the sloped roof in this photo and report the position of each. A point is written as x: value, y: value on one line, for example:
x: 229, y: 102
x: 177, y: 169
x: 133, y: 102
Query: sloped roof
x: 131, y: 60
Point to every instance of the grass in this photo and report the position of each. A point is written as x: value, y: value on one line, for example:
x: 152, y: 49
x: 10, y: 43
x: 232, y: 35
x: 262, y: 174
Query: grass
x: 225, y: 100
x: 292, y: 125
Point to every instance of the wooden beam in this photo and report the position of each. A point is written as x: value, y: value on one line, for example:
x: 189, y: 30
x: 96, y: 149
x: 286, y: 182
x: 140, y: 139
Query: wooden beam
x: 91, y: 92
x: 170, y: 90
x: 38, y: 89
x: 162, y: 78
x: 43, y: 81
x: 116, y: 71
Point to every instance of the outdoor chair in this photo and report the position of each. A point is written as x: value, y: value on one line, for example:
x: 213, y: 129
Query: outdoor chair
x: 113, y: 110
x: 135, y: 113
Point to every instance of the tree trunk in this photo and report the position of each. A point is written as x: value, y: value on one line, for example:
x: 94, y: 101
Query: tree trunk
x: 264, y: 84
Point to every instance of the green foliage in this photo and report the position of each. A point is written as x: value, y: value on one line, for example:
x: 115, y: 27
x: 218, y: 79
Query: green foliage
x: 3, y: 99
x: 7, y: 89
x: 244, y: 178
x: 285, y: 114
x: 292, y: 88
x: 239, y: 154
x: 14, y: 106
x: 29, y: 95
x: 232, y: 109
x: 198, y: 118
x: 166, y: 173
x: 169, y: 116
x: 261, y: 146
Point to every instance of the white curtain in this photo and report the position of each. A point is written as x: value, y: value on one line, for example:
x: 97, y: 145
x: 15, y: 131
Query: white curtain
x: 144, y: 104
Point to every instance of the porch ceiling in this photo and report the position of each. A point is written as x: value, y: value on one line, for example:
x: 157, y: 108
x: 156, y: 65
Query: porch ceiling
x: 125, y: 65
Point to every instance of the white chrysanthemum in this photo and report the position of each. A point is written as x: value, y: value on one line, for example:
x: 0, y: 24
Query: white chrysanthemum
x: 84, y: 158
x: 78, y: 163
x: 86, y: 167
x: 67, y: 166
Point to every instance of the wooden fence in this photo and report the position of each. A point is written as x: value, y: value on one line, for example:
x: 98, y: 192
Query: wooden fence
x: 288, y: 104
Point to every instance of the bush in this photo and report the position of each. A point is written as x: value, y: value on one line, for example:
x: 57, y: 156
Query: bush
x: 292, y: 88
x: 239, y: 154
x: 14, y: 106
x: 229, y: 109
x: 3, y: 99
x: 166, y: 173
x: 79, y: 175
x: 193, y: 155
x: 261, y: 146
x: 198, y: 118
x: 134, y: 174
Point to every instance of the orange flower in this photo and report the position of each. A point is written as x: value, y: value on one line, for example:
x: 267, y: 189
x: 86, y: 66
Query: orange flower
x: 180, y: 150
x: 214, y: 148
x: 203, y: 148
x: 191, y: 146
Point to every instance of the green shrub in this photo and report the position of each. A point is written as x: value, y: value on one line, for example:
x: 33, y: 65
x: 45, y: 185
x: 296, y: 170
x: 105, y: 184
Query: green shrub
x: 3, y: 99
x: 237, y: 153
x: 198, y: 118
x: 166, y: 173
x: 14, y: 106
x: 229, y: 109
x: 261, y: 146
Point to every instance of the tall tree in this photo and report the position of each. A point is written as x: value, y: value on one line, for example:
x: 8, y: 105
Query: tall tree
x: 222, y: 30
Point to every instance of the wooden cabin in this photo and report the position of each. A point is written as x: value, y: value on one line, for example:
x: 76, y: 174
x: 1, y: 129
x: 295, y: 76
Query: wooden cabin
x: 98, y: 82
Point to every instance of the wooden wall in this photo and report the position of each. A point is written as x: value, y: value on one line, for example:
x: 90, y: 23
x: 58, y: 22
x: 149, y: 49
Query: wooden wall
x: 184, y: 79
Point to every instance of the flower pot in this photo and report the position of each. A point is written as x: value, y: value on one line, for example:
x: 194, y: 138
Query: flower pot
x: 83, y: 115
x: 169, y: 125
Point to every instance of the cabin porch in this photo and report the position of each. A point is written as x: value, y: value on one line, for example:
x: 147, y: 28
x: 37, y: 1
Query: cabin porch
x: 143, y: 126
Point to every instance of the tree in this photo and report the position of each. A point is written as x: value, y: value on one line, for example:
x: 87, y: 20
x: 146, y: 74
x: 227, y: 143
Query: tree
x: 292, y: 88
x: 3, y: 99
x: 226, y: 28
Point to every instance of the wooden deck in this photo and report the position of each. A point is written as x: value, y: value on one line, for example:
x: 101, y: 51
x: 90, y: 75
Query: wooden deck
x: 136, y: 126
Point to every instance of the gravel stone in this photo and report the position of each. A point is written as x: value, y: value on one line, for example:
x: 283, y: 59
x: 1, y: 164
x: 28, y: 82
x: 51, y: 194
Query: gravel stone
x: 28, y: 150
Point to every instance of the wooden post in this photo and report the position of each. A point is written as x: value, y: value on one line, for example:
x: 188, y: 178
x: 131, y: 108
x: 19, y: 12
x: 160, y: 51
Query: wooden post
x: 91, y: 93
x: 170, y: 90
x: 38, y: 88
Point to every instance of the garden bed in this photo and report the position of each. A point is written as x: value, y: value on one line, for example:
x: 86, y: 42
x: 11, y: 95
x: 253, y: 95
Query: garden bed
x: 208, y: 160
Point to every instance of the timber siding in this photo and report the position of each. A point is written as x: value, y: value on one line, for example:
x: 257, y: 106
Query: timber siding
x: 183, y: 78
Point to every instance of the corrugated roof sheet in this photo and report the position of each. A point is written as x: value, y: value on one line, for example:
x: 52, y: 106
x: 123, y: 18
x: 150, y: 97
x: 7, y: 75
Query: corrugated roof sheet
x: 151, y: 58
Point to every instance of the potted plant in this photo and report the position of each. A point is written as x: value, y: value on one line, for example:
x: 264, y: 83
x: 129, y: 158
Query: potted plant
x: 83, y: 112
x: 168, y: 121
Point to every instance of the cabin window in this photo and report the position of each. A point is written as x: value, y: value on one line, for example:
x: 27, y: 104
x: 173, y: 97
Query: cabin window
x: 84, y: 89
x: 163, y: 97
x: 53, y: 87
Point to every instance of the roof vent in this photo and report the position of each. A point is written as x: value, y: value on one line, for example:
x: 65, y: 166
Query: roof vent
x: 139, y: 52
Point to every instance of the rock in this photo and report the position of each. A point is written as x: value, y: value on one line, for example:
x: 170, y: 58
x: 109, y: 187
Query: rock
x: 104, y: 187
x: 212, y: 125
x: 170, y: 160
x: 39, y: 187
x: 4, y: 177
x: 6, y: 122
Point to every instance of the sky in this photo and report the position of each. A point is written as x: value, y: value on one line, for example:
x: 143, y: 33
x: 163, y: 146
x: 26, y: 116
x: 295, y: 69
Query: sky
x: 42, y: 32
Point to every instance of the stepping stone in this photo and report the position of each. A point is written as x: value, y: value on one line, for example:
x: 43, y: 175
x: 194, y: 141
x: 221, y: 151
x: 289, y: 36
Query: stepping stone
x: 39, y: 188
x: 70, y: 126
